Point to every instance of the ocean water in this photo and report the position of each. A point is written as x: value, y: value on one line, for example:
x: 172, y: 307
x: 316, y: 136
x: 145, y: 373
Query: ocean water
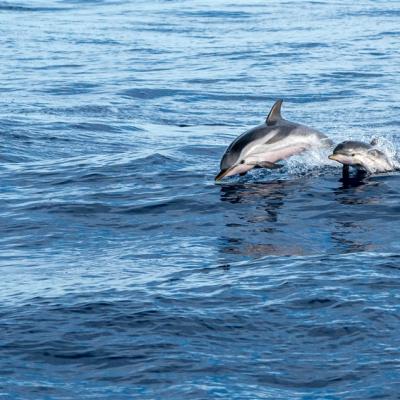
x: 126, y: 272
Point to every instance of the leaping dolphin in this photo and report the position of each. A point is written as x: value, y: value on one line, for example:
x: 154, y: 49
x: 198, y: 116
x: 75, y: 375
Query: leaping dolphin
x: 363, y: 156
x: 274, y: 140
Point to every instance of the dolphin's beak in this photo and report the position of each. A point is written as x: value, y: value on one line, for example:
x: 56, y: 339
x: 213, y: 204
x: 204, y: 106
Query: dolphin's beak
x: 342, y: 159
x: 221, y: 174
x: 237, y: 169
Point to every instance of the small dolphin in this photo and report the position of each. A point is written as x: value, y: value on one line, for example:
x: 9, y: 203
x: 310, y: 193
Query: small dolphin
x: 363, y: 156
x: 272, y: 141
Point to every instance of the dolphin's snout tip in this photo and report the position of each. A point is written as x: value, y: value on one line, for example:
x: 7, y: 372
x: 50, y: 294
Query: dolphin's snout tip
x: 332, y: 157
x: 220, y: 176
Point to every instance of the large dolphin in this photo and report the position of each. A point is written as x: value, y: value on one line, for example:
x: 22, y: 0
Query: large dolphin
x: 261, y: 147
x: 363, y: 156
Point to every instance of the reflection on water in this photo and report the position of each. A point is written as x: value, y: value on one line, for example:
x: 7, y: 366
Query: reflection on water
x: 358, y: 190
x: 257, y: 207
x: 268, y: 196
x: 350, y: 230
x: 341, y: 232
x: 300, y: 217
x: 355, y: 181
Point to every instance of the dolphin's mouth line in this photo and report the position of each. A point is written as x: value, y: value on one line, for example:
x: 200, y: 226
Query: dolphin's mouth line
x: 222, y: 173
x: 337, y: 158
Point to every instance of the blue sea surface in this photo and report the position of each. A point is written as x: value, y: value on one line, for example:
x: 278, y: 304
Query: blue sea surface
x: 126, y: 272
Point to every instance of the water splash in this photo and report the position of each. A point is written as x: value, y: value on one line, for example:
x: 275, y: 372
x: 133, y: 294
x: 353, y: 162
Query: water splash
x: 314, y: 162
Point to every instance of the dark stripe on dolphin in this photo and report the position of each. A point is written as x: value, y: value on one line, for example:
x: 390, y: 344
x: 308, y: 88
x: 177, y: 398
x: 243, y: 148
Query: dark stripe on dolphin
x: 257, y: 133
x: 283, y: 133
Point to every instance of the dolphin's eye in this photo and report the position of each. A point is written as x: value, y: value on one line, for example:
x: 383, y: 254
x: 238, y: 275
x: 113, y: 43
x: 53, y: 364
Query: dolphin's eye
x: 242, y: 162
x: 353, y: 155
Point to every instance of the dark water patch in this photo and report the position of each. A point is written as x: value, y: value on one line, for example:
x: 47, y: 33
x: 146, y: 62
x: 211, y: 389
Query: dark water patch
x: 218, y: 80
x: 5, y: 6
x: 76, y: 88
x: 200, y: 151
x: 104, y: 42
x: 58, y: 67
x: 147, y: 93
x: 95, y: 127
x: 314, y: 302
x: 166, y: 28
x: 305, y: 45
x: 91, y: 177
x: 349, y: 75
x: 86, y: 110
x: 6, y: 90
x: 232, y: 55
x: 171, y: 205
x: 219, y: 14
x: 390, y: 33
x: 194, y: 96
x: 373, y: 13
x: 150, y: 50
x: 17, y: 157
x: 281, y: 54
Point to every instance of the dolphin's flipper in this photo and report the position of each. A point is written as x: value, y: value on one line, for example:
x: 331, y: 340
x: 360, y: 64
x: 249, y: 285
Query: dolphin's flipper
x: 275, y: 114
x: 345, y: 172
x: 267, y: 164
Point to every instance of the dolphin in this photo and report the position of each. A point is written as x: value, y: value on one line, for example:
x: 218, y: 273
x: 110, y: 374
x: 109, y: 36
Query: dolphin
x: 363, y: 156
x: 274, y: 140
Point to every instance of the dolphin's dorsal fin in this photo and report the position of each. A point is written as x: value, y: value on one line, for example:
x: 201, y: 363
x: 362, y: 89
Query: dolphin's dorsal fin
x: 275, y: 114
x: 374, y: 142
